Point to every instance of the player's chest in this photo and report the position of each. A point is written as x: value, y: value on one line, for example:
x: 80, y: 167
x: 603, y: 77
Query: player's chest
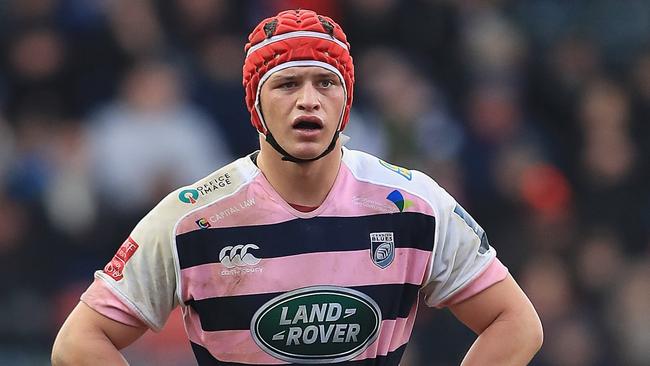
x: 344, y: 251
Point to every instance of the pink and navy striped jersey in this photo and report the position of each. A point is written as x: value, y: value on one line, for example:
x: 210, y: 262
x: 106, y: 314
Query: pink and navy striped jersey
x: 261, y: 283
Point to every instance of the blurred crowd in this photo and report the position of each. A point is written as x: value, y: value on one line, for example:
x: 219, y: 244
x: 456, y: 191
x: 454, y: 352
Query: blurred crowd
x: 534, y: 114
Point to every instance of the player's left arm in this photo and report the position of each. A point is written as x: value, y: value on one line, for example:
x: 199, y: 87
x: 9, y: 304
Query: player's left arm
x: 508, y: 328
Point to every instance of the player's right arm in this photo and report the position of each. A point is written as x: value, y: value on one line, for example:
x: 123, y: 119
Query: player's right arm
x: 89, y: 338
x: 134, y: 292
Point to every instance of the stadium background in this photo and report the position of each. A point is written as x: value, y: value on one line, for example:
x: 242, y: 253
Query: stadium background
x: 534, y: 114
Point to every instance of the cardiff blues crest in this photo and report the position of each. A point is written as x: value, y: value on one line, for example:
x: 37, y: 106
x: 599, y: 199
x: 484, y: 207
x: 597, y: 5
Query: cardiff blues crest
x: 382, y: 248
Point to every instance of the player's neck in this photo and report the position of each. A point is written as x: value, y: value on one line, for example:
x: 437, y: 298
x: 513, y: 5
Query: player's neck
x: 305, y: 184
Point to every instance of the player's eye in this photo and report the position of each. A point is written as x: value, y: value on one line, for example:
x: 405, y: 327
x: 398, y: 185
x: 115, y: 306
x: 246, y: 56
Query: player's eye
x: 326, y: 83
x: 288, y: 85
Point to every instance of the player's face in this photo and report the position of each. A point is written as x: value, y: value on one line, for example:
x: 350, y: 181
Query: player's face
x: 302, y: 107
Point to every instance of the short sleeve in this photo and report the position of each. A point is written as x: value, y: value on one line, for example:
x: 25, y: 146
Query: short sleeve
x: 461, y: 254
x: 142, y: 273
x: 100, y: 298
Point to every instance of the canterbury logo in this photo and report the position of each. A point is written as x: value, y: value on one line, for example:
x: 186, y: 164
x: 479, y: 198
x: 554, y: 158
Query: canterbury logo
x: 238, y: 256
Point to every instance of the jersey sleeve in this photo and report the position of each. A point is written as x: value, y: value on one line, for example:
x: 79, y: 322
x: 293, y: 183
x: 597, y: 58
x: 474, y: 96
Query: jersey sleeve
x: 142, y: 274
x: 99, y: 297
x: 463, y: 262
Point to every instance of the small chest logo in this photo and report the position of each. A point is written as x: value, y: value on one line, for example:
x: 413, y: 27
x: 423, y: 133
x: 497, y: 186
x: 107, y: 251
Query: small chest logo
x: 398, y: 199
x: 382, y: 248
x: 238, y: 256
x: 203, y: 223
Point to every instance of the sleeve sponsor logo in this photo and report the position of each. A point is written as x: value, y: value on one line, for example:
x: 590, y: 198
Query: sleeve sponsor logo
x: 191, y: 195
x: 188, y: 196
x: 397, y: 169
x: 317, y: 325
x: 115, y: 268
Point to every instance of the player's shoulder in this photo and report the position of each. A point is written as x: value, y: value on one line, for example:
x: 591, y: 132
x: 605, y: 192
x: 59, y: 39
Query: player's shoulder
x: 209, y: 189
x: 372, y: 169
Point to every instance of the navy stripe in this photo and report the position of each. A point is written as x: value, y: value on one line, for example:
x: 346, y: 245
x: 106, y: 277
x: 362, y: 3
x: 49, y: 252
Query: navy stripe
x: 299, y: 236
x: 236, y: 312
x: 204, y: 358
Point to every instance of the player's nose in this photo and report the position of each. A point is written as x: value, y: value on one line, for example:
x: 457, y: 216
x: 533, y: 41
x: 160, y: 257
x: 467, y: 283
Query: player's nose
x: 308, y: 98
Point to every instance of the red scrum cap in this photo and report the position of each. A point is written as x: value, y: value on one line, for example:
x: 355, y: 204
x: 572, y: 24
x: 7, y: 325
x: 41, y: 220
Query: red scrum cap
x: 295, y: 38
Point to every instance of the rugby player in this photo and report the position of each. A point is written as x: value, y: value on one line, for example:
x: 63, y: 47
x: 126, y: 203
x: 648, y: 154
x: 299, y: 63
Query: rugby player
x: 305, y: 251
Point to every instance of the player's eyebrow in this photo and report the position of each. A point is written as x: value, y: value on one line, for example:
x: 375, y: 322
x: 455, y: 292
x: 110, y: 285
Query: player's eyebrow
x: 325, y: 74
x: 285, y: 77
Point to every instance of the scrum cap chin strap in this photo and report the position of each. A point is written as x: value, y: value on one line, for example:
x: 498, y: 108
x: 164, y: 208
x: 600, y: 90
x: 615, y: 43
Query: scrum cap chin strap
x: 288, y: 157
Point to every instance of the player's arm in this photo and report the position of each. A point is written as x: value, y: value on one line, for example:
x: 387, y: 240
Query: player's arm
x: 134, y: 292
x: 510, y: 332
x: 89, y: 338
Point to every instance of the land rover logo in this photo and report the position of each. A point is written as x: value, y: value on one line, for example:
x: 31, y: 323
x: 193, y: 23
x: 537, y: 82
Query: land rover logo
x: 317, y: 325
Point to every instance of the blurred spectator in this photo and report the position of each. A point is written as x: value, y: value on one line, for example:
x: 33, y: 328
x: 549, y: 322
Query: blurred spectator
x: 190, y: 22
x: 70, y: 200
x: 576, y: 344
x: 366, y: 133
x: 413, y: 112
x: 366, y: 22
x: 136, y: 27
x: 27, y: 254
x: 629, y: 316
x: 557, y: 79
x: 497, y: 127
x: 30, y: 170
x: 546, y: 281
x: 216, y: 87
x: 600, y: 264
x: 493, y: 47
x: 37, y: 77
x: 427, y: 31
x: 608, y: 153
x: 609, y: 166
x: 151, y: 141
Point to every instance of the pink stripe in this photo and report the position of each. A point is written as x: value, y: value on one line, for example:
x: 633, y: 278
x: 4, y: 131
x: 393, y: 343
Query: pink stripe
x: 357, y: 198
x: 101, y: 298
x: 258, y: 204
x: 288, y: 273
x: 495, y: 272
x: 238, y: 345
x: 250, y: 206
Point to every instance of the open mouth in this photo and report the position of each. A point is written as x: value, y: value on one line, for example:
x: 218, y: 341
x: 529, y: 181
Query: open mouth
x: 308, y: 123
x: 307, y: 126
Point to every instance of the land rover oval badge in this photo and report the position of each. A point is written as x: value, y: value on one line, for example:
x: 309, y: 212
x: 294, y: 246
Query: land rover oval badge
x: 317, y: 325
